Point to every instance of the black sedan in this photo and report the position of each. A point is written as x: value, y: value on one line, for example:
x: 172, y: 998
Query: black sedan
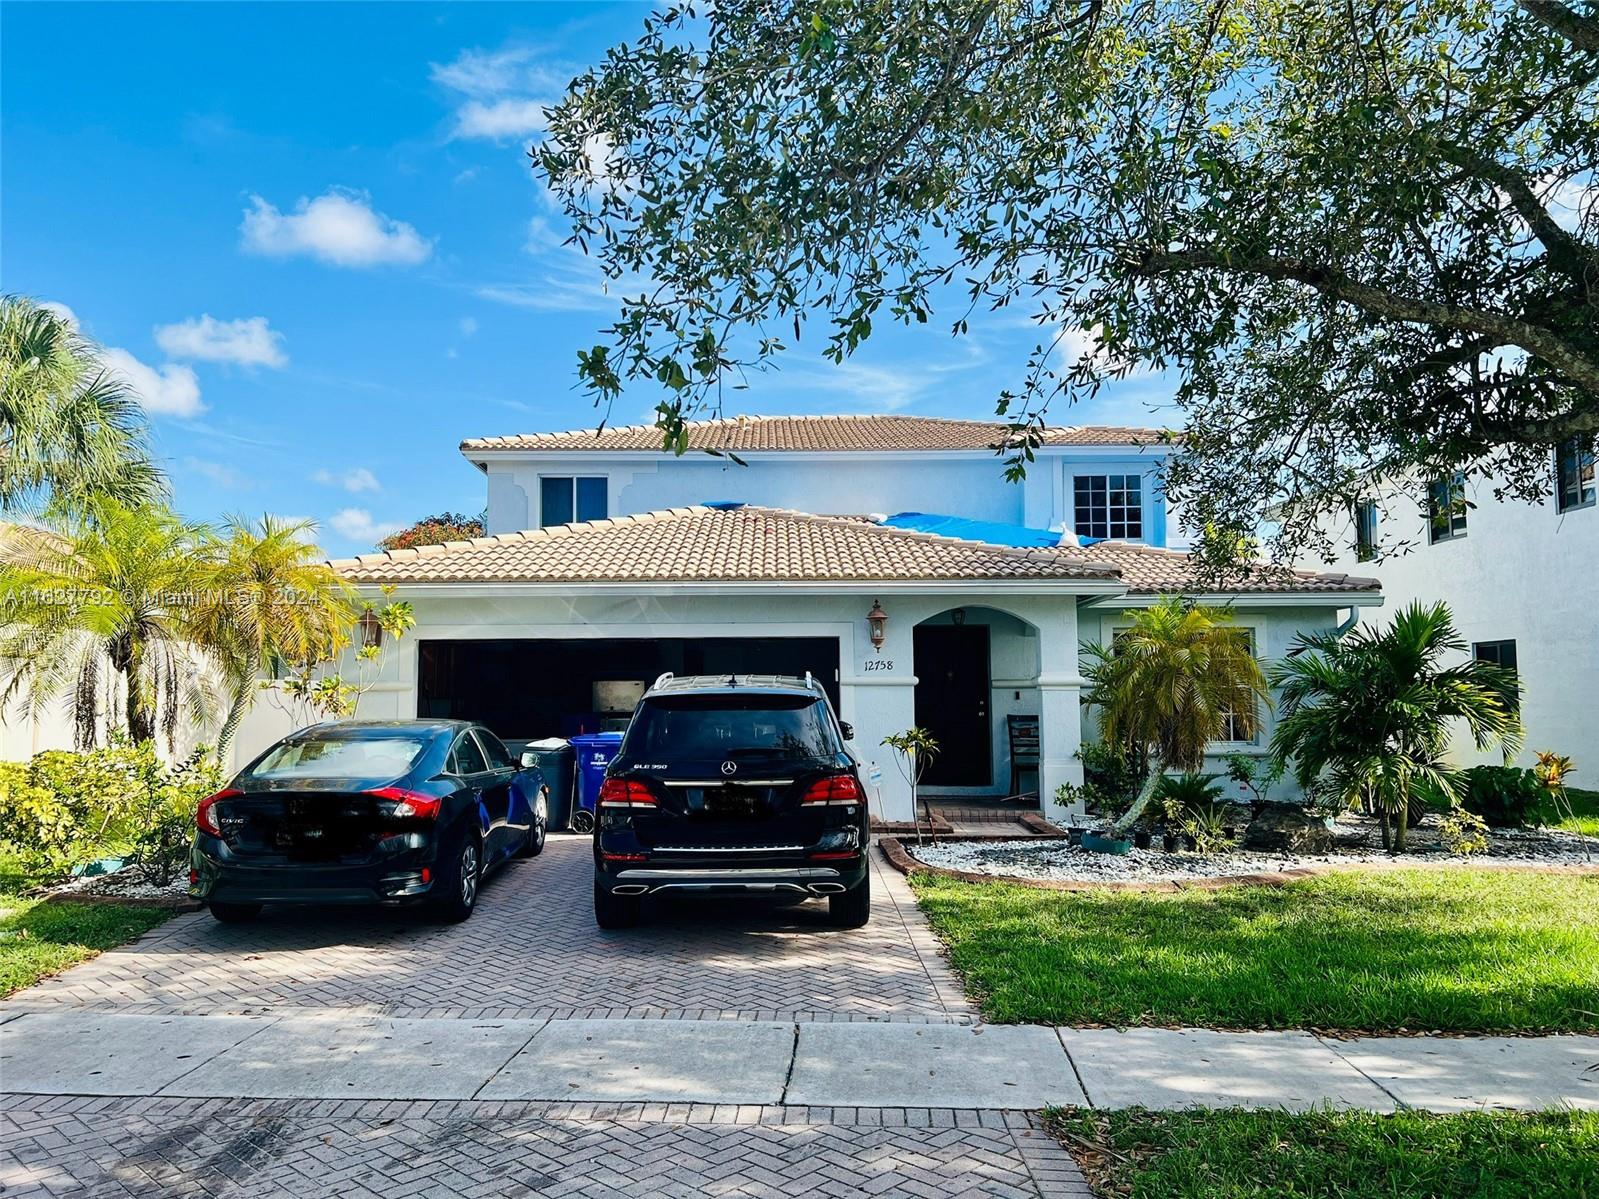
x: 390, y: 812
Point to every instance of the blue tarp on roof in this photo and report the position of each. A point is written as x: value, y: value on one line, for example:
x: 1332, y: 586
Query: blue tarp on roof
x: 990, y: 531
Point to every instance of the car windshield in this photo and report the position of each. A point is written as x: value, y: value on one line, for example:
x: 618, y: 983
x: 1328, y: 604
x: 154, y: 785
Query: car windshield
x: 387, y: 756
x: 724, y: 726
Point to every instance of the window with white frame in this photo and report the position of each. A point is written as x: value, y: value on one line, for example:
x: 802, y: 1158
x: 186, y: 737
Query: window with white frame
x: 1574, y: 474
x: 567, y: 498
x: 1108, y: 506
x: 1243, y: 727
x: 1446, y: 508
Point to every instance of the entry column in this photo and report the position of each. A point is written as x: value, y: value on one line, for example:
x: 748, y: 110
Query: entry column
x: 1060, y: 725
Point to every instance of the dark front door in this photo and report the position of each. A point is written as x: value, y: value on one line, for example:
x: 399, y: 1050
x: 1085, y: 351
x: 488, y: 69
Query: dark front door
x: 952, y: 703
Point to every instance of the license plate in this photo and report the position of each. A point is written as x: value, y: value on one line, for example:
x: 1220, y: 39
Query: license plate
x: 730, y: 803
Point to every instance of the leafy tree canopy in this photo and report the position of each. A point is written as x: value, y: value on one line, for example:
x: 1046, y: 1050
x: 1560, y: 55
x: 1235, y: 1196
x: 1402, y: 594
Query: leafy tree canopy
x: 434, y: 530
x: 1363, y: 238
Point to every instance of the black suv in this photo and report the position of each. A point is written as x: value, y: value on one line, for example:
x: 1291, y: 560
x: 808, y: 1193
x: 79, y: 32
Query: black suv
x: 732, y: 783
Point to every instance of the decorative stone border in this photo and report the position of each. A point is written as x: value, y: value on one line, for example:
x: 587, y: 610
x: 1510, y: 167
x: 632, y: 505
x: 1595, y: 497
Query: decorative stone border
x: 902, y: 860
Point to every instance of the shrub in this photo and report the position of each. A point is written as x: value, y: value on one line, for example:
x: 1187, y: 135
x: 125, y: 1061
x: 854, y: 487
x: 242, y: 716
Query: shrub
x: 1463, y: 833
x: 1504, y: 796
x: 63, y: 810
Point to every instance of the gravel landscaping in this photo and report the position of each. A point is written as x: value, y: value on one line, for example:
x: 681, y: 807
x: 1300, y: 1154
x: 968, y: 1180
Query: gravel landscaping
x: 1355, y: 841
x: 124, y: 884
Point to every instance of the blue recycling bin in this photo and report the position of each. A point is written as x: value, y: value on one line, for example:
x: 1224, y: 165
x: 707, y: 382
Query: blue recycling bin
x: 594, y: 753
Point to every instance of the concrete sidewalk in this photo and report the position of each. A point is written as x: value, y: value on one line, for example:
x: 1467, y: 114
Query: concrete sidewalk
x: 734, y: 1062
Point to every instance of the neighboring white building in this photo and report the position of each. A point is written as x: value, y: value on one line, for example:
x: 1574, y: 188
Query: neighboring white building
x: 1522, y: 580
x: 609, y: 562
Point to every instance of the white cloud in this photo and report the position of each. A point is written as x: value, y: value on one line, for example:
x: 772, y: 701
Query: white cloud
x: 482, y: 72
x: 504, y: 91
x: 339, y: 226
x: 62, y: 313
x: 356, y: 479
x: 357, y: 524
x: 247, y: 342
x: 467, y: 325
x: 500, y: 119
x: 170, y: 390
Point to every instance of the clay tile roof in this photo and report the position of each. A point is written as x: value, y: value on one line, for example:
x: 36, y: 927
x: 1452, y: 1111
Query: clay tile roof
x: 1147, y: 570
x: 703, y: 544
x: 757, y: 434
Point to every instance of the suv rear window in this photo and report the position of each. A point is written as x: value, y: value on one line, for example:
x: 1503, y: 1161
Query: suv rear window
x: 728, y: 726
x: 342, y: 758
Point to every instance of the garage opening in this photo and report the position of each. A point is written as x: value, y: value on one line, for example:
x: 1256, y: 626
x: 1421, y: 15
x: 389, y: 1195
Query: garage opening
x: 530, y: 688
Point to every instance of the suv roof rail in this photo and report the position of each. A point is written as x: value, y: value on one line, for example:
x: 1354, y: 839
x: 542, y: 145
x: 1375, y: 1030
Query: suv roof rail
x: 664, y: 678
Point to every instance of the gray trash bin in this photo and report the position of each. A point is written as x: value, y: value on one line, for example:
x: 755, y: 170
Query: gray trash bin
x: 558, y: 765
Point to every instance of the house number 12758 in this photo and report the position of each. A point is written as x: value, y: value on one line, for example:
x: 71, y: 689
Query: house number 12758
x: 874, y: 665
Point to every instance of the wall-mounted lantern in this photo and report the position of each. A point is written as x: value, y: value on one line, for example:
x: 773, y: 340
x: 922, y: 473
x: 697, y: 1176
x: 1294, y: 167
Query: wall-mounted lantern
x: 958, y: 617
x: 877, y: 623
x: 371, y: 630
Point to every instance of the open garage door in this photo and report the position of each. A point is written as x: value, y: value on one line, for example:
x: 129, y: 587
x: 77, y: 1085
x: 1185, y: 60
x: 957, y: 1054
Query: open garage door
x: 527, y: 688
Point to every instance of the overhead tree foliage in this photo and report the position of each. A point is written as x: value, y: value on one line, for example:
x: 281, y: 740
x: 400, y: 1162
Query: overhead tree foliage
x: 1363, y: 238
x: 71, y: 432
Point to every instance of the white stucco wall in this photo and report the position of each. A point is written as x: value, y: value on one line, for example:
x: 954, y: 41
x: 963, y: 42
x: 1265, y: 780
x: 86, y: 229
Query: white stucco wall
x: 1524, y: 573
x: 964, y: 484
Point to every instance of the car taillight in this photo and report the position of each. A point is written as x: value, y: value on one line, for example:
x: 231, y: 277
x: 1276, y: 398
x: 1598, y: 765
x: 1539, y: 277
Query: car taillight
x: 625, y: 793
x: 204, y: 819
x: 409, y: 804
x: 834, y: 789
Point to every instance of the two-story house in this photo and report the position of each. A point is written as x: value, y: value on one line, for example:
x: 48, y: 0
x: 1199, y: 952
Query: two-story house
x: 1522, y: 580
x: 886, y: 555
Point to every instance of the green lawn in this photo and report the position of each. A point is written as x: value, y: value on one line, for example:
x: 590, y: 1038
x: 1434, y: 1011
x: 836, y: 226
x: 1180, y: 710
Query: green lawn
x: 1354, y: 1155
x: 38, y: 939
x: 1449, y: 949
x: 1585, y: 812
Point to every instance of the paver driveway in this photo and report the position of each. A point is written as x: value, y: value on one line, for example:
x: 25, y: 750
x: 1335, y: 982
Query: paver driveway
x: 530, y: 951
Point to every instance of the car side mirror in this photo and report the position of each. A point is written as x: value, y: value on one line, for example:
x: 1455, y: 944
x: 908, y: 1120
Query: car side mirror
x: 529, y: 758
x: 847, y: 729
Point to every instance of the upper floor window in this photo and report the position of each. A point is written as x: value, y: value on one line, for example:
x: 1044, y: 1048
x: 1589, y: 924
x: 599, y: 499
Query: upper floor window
x: 565, y: 498
x: 1365, y: 530
x: 1574, y: 474
x: 1108, y: 506
x: 1446, y: 508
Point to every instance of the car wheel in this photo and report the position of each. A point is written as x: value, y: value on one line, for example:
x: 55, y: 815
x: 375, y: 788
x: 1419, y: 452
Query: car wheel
x: 533, y: 845
x: 234, y: 913
x: 852, y: 908
x: 615, y: 911
x: 459, y: 876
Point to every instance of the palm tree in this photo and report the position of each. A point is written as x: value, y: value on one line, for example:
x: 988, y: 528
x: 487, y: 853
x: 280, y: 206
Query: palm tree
x: 268, y: 598
x: 69, y: 430
x: 111, y: 587
x: 1366, y: 717
x: 1167, y: 686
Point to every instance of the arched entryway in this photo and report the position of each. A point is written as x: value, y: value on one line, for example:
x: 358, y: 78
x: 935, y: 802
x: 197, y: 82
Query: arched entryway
x: 977, y: 694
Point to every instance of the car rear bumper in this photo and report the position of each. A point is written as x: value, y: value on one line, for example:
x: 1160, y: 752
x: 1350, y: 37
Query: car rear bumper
x: 820, y: 878
x: 391, y: 882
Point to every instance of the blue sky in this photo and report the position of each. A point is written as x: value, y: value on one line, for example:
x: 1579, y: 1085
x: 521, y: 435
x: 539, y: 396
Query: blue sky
x: 310, y: 235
